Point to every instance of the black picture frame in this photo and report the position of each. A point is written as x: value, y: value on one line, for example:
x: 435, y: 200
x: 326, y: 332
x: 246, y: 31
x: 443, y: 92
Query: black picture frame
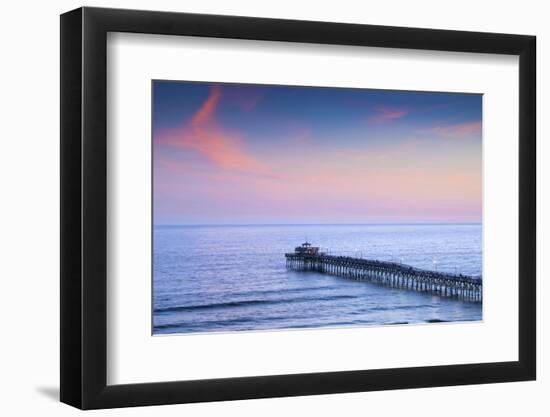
x: 84, y: 207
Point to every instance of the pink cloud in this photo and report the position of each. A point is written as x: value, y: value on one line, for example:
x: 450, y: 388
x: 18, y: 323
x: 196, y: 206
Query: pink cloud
x: 205, y: 136
x: 360, y: 184
x: 458, y: 130
x: 386, y: 114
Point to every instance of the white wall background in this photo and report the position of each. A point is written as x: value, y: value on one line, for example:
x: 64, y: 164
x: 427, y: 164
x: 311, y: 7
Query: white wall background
x: 29, y: 237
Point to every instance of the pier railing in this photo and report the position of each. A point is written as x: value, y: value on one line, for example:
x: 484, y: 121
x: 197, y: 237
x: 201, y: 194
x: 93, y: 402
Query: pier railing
x: 391, y: 274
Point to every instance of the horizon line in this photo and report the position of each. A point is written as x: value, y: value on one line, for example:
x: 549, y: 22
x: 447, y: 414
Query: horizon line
x: 317, y: 224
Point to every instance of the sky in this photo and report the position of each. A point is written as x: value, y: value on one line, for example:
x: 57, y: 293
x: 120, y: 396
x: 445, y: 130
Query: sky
x: 264, y: 154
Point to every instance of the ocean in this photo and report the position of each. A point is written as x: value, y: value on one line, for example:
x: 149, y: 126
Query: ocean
x: 234, y: 278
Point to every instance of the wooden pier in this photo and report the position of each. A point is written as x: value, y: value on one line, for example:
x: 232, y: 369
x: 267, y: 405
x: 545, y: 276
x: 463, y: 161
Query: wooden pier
x: 392, y: 274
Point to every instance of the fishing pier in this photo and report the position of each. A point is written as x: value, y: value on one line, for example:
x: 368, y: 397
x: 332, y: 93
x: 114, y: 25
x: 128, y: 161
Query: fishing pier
x: 392, y: 274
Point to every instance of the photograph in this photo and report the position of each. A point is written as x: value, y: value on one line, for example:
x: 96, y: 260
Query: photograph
x: 269, y: 205
x: 280, y: 207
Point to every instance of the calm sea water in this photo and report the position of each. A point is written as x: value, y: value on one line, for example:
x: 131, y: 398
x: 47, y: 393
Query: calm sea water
x: 227, y: 278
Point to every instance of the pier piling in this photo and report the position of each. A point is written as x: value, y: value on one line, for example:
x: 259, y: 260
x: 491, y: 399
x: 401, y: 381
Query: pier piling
x: 396, y: 275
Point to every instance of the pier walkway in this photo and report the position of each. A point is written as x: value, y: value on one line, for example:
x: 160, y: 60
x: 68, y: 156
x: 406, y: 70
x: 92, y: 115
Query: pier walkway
x: 398, y: 275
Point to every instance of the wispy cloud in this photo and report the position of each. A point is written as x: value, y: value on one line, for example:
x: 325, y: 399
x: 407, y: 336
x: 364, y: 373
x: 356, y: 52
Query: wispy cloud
x: 203, y: 134
x: 458, y: 130
x: 273, y: 162
x: 386, y: 114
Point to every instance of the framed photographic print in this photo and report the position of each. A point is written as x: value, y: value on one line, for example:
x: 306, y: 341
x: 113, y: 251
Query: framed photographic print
x: 258, y: 207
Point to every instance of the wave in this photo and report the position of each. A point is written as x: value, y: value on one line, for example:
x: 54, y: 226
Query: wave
x: 407, y: 307
x: 252, y: 322
x: 245, y: 303
x: 284, y: 290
